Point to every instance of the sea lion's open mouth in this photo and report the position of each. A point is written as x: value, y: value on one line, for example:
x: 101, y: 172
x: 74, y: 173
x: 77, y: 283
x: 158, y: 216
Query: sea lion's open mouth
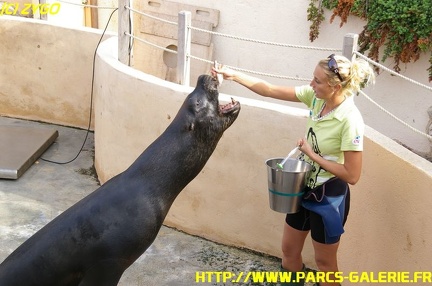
x: 229, y: 107
x: 212, y: 83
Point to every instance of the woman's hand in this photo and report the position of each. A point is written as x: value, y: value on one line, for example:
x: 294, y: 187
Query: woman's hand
x: 255, y: 84
x: 227, y: 73
x: 305, y: 147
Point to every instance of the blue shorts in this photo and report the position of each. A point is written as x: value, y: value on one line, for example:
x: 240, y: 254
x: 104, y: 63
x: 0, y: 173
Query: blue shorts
x: 306, y: 220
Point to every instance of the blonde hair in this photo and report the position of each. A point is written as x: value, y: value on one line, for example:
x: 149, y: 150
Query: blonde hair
x: 355, y: 75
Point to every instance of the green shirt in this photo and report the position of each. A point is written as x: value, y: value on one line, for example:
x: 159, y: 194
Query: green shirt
x: 341, y: 130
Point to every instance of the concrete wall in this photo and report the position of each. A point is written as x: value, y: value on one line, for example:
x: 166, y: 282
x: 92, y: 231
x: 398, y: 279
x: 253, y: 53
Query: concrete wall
x: 286, y: 22
x: 283, y: 22
x: 46, y: 71
x: 388, y: 228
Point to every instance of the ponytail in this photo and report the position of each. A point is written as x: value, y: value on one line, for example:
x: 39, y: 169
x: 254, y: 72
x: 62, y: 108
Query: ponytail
x: 362, y: 75
x: 355, y: 75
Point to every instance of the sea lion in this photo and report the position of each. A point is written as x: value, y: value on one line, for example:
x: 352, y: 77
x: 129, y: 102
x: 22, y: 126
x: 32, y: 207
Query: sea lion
x: 93, y: 242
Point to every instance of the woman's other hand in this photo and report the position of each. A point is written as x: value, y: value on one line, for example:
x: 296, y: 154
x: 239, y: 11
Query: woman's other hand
x: 305, y: 147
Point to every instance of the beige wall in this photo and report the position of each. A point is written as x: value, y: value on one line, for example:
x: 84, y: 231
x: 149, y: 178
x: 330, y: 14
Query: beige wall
x: 46, y: 70
x: 281, y: 21
x: 389, y: 225
x: 388, y: 228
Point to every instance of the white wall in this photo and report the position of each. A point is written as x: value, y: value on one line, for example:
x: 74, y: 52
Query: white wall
x: 69, y: 14
x: 286, y: 22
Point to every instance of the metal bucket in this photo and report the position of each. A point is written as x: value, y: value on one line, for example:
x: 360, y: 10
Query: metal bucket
x: 286, y: 185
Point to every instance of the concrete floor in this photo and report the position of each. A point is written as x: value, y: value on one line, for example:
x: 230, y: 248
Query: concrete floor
x: 47, y: 189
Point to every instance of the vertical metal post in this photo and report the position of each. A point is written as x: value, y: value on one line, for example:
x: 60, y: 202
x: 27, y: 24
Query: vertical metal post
x: 37, y: 14
x: 184, y: 47
x: 350, y: 43
x: 124, y: 26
